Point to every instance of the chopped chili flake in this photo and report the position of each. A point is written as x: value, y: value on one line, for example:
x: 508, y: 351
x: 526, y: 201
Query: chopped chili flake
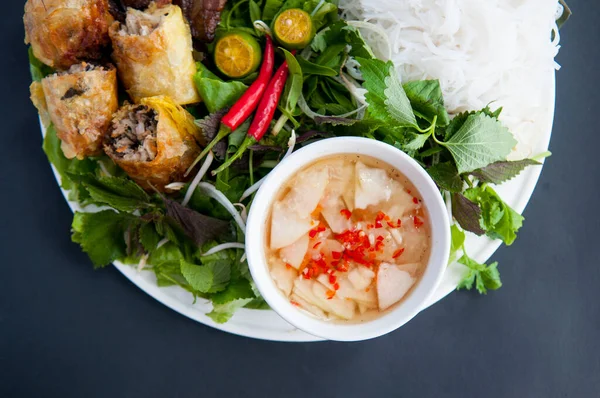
x: 288, y: 266
x: 295, y: 303
x: 379, y: 238
x: 399, y: 223
x: 336, y: 255
x: 313, y: 232
x: 336, y: 286
x: 417, y: 221
x: 330, y: 294
x: 317, y: 244
x: 391, y: 225
x: 332, y: 279
x: 346, y: 213
x: 408, y: 191
x: 415, y: 200
x: 398, y: 253
x: 378, y: 224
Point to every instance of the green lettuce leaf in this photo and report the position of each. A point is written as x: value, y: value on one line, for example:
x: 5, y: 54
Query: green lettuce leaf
x: 497, y: 218
x: 37, y: 68
x: 101, y: 235
x: 215, y: 93
x: 222, y: 313
x: 211, y: 277
x: 66, y: 167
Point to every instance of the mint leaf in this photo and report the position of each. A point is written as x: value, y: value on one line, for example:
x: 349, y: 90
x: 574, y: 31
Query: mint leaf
x: 480, y: 141
x: 467, y: 213
x: 120, y: 193
x: 209, y: 278
x: 497, y: 218
x: 427, y: 100
x: 499, y: 172
x: 446, y: 177
x: 101, y: 235
x: 483, y: 277
x: 237, y: 289
x: 386, y: 97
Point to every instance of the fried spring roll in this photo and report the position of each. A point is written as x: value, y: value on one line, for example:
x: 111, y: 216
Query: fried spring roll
x: 153, y: 53
x: 154, y: 142
x: 66, y: 32
x: 80, y: 103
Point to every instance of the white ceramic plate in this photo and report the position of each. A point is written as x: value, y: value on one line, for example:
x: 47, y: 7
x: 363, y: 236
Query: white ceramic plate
x: 267, y: 325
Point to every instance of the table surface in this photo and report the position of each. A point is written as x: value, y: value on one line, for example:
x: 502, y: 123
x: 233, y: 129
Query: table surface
x: 69, y: 331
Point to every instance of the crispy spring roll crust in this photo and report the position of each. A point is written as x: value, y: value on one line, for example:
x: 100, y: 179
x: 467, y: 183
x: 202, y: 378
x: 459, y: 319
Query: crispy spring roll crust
x: 175, y: 145
x: 155, y: 61
x: 66, y: 32
x: 80, y: 104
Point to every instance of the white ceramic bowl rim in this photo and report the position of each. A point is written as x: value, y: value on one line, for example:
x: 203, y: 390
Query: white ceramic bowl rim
x: 440, y: 238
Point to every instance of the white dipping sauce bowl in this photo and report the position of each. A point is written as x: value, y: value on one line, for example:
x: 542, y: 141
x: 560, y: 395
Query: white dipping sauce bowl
x: 392, y: 318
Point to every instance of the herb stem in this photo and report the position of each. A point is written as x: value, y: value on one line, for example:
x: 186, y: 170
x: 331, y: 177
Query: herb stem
x: 469, y: 182
x: 251, y: 167
x: 431, y: 128
x: 269, y: 164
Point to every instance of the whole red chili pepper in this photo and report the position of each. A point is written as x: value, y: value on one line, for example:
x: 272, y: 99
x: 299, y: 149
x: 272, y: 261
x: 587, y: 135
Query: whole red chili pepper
x: 246, y: 104
x: 264, y: 114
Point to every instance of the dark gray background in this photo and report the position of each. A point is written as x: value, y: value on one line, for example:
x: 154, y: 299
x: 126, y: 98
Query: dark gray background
x: 69, y: 331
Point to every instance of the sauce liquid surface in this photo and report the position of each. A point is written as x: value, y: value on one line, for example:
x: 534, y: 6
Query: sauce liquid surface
x: 347, y: 238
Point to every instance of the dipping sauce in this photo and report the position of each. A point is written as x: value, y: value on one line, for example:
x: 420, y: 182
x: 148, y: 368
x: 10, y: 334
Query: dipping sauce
x: 348, y: 238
